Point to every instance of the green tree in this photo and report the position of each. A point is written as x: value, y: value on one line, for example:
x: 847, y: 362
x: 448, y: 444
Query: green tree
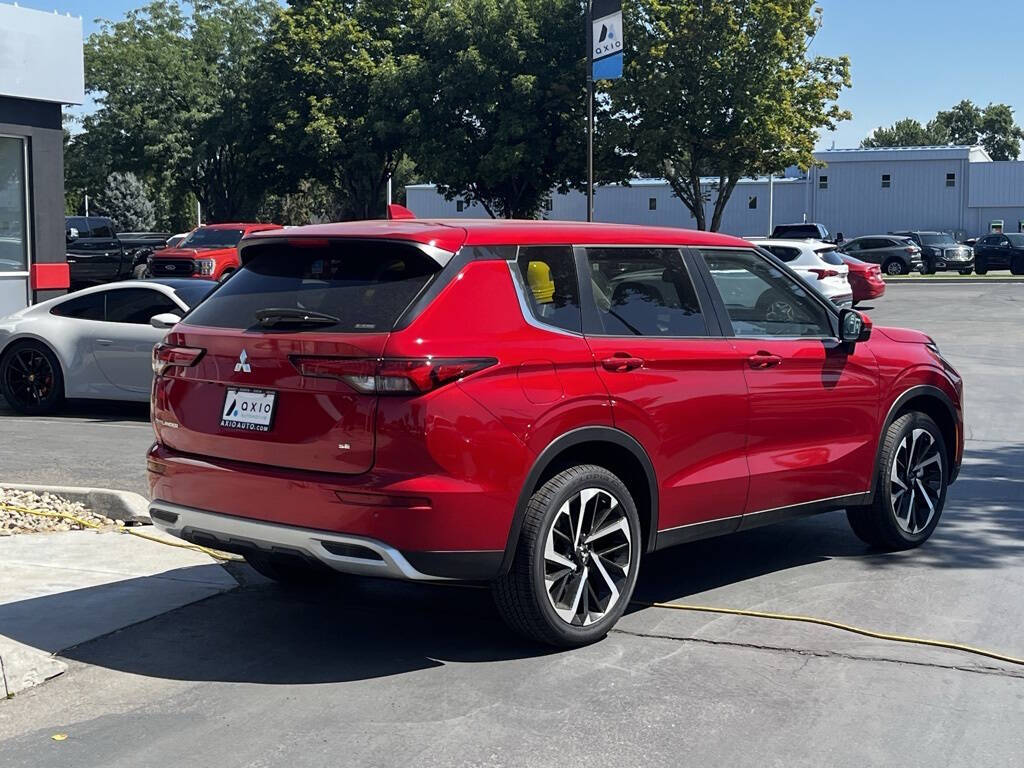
x: 964, y: 124
x: 503, y: 109
x: 336, y: 91
x: 723, y: 87
x: 904, y: 133
x: 127, y: 203
x: 173, y: 88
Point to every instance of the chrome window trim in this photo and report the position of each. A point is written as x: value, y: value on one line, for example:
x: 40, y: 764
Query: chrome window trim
x: 524, y: 304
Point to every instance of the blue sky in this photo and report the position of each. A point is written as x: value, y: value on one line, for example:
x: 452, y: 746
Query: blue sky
x: 910, y: 58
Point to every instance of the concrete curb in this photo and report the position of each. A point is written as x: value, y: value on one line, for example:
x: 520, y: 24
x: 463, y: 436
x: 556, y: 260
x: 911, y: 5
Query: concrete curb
x: 126, y: 506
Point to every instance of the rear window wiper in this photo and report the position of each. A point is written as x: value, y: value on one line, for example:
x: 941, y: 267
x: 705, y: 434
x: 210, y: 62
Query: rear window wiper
x: 269, y: 318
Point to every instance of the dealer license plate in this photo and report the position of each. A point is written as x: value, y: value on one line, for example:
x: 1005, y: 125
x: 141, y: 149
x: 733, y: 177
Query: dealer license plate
x: 248, y: 409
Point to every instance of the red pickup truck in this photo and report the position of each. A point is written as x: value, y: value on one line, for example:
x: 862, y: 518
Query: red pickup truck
x: 209, y: 252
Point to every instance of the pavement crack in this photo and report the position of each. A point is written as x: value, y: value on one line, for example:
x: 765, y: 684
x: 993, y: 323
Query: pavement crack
x: 807, y: 652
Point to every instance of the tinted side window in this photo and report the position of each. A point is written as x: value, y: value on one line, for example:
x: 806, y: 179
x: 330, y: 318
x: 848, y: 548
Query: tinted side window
x: 137, y: 305
x: 80, y: 223
x: 853, y: 246
x: 101, y: 228
x: 552, y: 289
x: 761, y: 300
x: 88, y: 307
x: 644, y: 292
x: 783, y: 253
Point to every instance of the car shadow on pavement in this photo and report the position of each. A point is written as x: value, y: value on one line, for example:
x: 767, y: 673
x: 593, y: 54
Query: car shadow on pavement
x: 358, y: 629
x: 92, y: 410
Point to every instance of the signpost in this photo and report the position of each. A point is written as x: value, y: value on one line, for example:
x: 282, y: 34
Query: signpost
x: 604, y: 62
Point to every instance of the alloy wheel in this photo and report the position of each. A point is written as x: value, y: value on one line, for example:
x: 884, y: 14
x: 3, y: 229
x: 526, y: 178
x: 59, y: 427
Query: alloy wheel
x: 894, y: 268
x: 916, y: 481
x: 29, y: 377
x: 588, y: 554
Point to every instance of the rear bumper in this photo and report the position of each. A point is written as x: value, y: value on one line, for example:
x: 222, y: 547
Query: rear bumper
x: 418, y: 526
x: 345, y: 553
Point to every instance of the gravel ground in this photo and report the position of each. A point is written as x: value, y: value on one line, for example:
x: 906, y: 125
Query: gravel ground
x: 12, y: 522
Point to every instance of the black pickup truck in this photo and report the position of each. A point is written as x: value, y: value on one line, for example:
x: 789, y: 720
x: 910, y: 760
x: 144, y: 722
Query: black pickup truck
x: 97, y: 254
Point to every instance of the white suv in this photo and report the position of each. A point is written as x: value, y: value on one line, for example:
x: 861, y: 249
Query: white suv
x: 817, y: 262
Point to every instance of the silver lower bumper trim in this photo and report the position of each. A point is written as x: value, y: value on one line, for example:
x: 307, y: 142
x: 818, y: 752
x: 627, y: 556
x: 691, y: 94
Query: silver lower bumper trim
x: 268, y: 537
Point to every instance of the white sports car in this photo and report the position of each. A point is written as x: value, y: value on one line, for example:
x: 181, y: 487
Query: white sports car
x: 94, y: 343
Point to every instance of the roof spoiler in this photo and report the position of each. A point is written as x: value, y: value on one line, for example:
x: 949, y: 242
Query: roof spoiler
x: 396, y: 211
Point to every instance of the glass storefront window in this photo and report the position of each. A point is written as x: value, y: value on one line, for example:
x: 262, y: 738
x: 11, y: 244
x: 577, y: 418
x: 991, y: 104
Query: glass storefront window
x: 13, y: 216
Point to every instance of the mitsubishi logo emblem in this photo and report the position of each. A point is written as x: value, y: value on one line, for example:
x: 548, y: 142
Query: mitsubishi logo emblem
x: 242, y: 366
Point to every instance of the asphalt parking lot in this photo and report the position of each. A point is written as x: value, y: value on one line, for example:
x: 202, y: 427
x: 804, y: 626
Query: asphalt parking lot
x: 389, y: 674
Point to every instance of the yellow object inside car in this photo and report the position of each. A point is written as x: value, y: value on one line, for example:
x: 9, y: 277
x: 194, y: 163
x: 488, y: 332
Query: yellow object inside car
x: 538, y: 275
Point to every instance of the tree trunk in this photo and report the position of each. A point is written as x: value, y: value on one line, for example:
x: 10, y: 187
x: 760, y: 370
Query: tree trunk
x: 726, y: 185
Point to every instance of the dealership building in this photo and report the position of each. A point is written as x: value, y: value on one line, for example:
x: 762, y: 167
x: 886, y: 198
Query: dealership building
x: 853, y: 191
x: 41, y: 69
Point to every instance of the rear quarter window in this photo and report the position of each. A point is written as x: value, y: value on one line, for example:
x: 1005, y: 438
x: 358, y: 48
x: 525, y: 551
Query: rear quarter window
x: 829, y: 256
x: 366, y: 285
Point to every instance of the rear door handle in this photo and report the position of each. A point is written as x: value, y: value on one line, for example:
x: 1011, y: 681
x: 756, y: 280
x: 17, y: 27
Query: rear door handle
x: 763, y: 360
x: 104, y: 342
x: 622, y: 363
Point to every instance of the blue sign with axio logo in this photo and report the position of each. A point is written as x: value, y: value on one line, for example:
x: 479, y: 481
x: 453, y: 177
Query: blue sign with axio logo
x: 606, y: 52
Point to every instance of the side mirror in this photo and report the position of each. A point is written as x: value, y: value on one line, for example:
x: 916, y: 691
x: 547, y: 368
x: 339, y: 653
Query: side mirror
x: 164, y: 321
x: 71, y: 234
x: 854, y: 326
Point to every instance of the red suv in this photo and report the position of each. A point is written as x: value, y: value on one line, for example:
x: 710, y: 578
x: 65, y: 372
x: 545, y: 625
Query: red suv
x: 534, y: 404
x: 209, y: 252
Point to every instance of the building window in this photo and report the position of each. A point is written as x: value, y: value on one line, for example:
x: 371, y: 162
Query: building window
x: 823, y: 182
x: 886, y: 180
x: 652, y: 204
x: 13, y: 208
x: 549, y: 204
x: 950, y: 179
x: 460, y: 205
x: 752, y: 202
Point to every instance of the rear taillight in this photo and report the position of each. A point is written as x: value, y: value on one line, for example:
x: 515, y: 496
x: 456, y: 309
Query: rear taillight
x: 823, y: 273
x: 391, y: 376
x: 167, y: 356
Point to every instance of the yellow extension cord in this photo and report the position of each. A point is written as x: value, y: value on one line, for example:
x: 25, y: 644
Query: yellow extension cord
x: 673, y: 606
x: 131, y: 531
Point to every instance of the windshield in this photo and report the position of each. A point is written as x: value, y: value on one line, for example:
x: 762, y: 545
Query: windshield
x: 205, y: 237
x: 937, y: 238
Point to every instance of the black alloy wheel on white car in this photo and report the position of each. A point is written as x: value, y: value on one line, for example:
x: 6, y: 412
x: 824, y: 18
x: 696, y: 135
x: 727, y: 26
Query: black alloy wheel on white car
x: 576, y: 561
x: 31, y: 379
x: 910, y: 486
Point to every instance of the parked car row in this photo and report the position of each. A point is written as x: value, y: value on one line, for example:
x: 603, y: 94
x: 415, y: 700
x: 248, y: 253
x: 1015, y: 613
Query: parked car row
x: 329, y: 408
x: 96, y: 254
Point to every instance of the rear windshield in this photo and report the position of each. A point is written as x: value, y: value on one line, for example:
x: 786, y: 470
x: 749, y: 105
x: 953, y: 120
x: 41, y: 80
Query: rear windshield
x: 364, y: 286
x: 829, y: 255
x: 213, y: 238
x: 798, y: 231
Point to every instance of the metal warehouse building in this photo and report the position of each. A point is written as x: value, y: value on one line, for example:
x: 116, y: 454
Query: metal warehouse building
x: 855, y: 191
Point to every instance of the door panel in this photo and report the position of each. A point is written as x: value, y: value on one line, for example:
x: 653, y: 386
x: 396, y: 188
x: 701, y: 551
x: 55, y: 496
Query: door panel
x: 124, y: 343
x: 682, y: 397
x: 812, y: 420
x: 812, y: 402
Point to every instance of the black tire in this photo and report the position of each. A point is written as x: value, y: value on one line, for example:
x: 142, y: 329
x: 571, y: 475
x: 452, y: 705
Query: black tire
x: 895, y: 267
x: 877, y: 524
x: 521, y: 594
x: 981, y: 266
x: 1017, y: 265
x: 140, y: 272
x: 31, y: 378
x: 292, y: 571
x: 928, y: 267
